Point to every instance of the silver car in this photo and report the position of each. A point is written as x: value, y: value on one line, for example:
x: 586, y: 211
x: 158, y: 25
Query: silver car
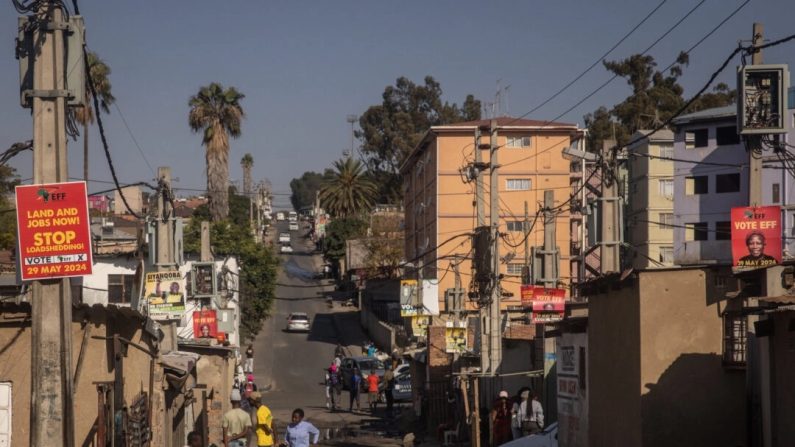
x: 298, y: 322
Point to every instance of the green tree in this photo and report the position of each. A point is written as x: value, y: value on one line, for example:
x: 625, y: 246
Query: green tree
x: 385, y: 246
x: 337, y: 232
x: 217, y: 113
x: 390, y: 130
x: 349, y: 191
x: 656, y: 96
x: 258, y: 263
x: 8, y: 221
x: 100, y: 75
x: 305, y: 188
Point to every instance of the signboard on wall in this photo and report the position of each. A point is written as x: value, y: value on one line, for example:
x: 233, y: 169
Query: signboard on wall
x: 455, y: 339
x: 546, y: 305
x: 164, y: 294
x: 572, y: 389
x: 756, y: 236
x: 54, y: 230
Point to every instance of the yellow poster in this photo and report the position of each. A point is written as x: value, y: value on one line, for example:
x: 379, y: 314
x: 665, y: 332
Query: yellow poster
x: 455, y: 339
x: 164, y: 294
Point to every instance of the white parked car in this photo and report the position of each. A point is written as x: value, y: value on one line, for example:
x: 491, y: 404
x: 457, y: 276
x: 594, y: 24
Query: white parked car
x: 279, y: 217
x: 284, y: 238
x: 298, y: 321
x: 293, y: 226
x: 286, y: 249
x: 548, y: 437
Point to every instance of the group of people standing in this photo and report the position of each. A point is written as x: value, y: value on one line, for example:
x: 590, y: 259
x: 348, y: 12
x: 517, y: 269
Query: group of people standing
x: 254, y: 426
x: 513, y: 418
x: 358, y: 383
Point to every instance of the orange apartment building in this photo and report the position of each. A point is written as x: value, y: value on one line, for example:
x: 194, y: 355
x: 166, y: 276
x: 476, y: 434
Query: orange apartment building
x: 440, y: 205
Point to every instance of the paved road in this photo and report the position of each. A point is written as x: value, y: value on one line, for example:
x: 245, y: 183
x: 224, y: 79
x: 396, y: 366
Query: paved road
x: 289, y: 366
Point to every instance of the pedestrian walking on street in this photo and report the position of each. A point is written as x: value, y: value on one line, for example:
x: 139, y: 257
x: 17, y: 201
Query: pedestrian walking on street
x: 389, y: 386
x: 501, y: 420
x: 372, y: 390
x: 528, y: 415
x: 355, y: 388
x: 336, y: 386
x: 264, y: 430
x: 236, y: 423
x: 299, y: 431
x: 249, y: 368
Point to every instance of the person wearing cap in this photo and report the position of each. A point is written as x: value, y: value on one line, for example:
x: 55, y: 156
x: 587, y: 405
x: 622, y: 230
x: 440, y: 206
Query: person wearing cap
x: 266, y: 433
x: 236, y: 423
x: 501, y: 419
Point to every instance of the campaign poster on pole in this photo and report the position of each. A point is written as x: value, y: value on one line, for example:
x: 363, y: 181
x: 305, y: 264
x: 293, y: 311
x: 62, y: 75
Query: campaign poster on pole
x: 205, y: 324
x: 756, y: 236
x: 164, y: 293
x: 548, y: 304
x: 54, y: 230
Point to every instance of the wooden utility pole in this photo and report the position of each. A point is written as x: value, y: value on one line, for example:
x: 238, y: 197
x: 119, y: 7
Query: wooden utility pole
x: 475, y: 412
x: 495, y: 317
x: 755, y: 141
x: 51, y: 405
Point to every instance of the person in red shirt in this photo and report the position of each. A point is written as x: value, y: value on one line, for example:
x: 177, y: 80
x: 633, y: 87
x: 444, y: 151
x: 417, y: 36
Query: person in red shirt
x: 372, y: 390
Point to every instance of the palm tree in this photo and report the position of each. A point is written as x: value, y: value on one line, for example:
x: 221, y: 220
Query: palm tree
x: 246, y: 163
x: 100, y: 72
x: 348, y: 192
x: 216, y: 112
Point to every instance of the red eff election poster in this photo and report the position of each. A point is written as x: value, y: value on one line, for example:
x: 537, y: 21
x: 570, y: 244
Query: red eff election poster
x: 756, y: 236
x: 54, y: 230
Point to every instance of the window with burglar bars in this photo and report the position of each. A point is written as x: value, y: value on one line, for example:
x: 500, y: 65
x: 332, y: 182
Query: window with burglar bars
x: 120, y: 288
x: 518, y: 142
x: 734, y: 341
x: 517, y: 184
x: 515, y: 269
x: 666, y: 220
x: 515, y: 225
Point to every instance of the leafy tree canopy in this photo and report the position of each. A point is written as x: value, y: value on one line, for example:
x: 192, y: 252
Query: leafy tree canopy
x: 258, y: 262
x: 349, y: 191
x: 337, y: 232
x: 390, y: 130
x: 305, y: 188
x: 656, y: 96
x: 8, y: 221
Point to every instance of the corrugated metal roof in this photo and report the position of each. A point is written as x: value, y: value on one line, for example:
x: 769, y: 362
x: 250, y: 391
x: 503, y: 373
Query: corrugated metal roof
x: 707, y: 114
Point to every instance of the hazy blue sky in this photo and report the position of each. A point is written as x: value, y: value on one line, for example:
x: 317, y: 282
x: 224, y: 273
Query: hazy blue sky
x: 304, y: 66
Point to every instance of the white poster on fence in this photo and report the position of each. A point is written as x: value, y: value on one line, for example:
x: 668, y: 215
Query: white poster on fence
x: 572, y: 370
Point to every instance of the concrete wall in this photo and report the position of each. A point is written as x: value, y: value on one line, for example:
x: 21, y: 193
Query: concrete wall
x: 97, y: 366
x: 381, y: 333
x: 783, y: 389
x: 655, y: 346
x: 614, y: 377
x: 95, y: 285
x: 687, y: 397
x: 215, y: 370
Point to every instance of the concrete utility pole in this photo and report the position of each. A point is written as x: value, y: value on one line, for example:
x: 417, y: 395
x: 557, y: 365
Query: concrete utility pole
x: 550, y: 253
x: 51, y: 406
x: 611, y: 227
x: 526, y: 233
x: 755, y: 141
x: 166, y: 258
x: 205, y: 254
x: 480, y: 206
x: 495, y: 317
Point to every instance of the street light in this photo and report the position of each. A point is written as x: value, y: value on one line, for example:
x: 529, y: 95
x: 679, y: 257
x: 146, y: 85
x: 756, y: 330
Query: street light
x: 351, y: 119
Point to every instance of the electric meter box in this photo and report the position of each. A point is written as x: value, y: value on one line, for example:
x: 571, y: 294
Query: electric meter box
x: 762, y: 99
